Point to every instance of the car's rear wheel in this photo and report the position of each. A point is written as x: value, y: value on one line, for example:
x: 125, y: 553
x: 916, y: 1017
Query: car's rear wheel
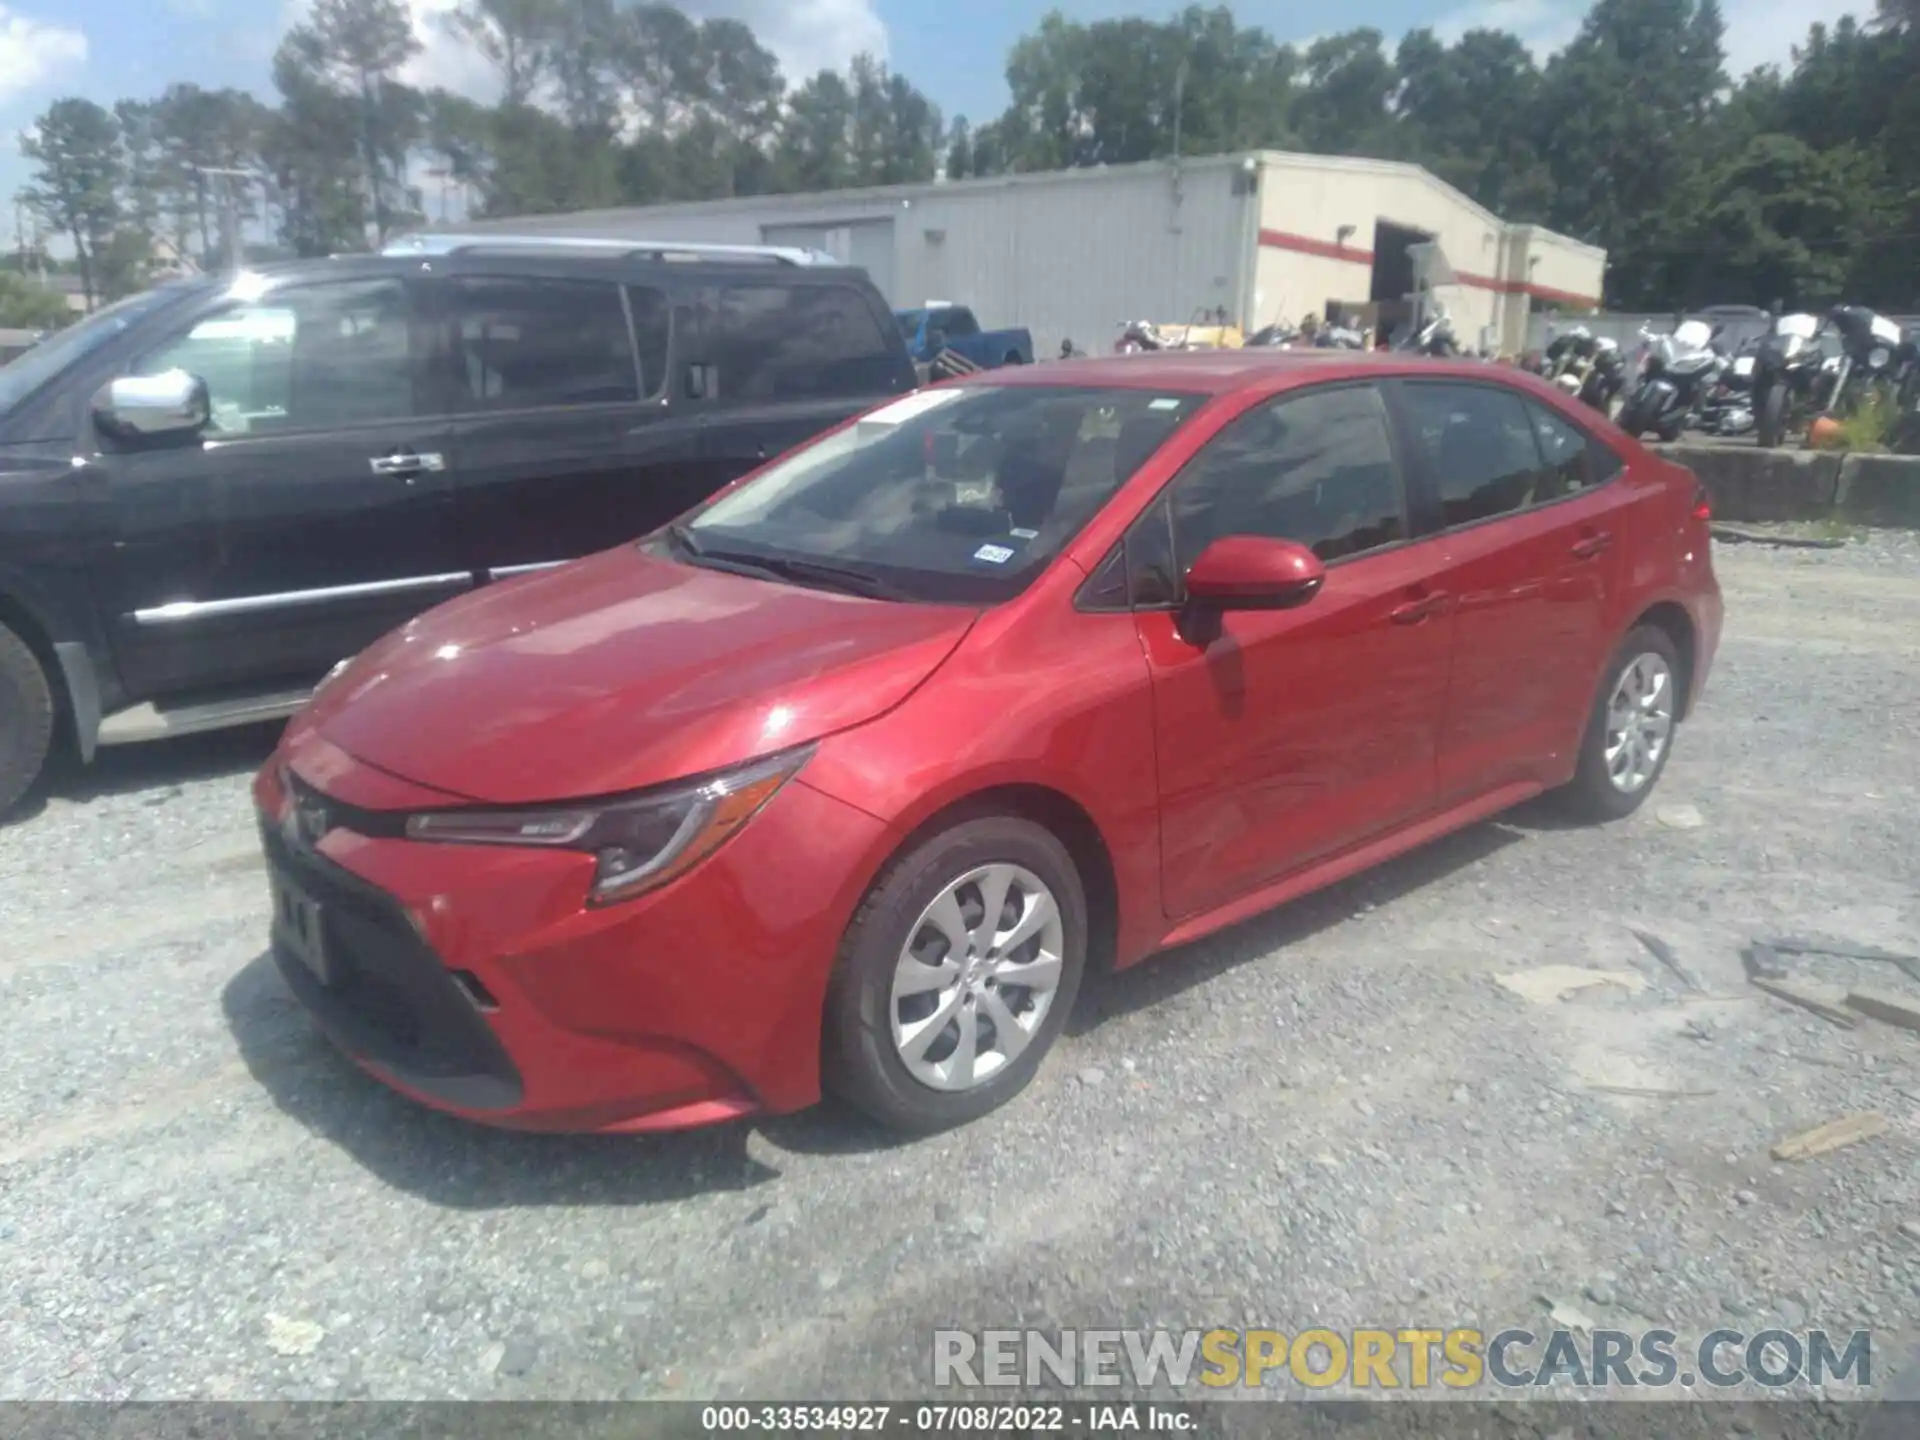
x: 1631, y: 728
x: 956, y: 975
x: 26, y: 718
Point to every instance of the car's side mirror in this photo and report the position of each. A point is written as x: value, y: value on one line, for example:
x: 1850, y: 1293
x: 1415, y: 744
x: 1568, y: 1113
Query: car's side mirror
x: 151, y: 407
x: 936, y: 340
x: 1254, y: 572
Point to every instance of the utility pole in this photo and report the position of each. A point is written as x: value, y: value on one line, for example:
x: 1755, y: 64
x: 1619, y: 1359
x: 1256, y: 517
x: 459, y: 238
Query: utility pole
x: 236, y: 249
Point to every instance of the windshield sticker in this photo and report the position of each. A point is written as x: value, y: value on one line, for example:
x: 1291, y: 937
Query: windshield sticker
x: 906, y: 408
x: 1024, y: 534
x: 994, y: 554
x: 1164, y: 403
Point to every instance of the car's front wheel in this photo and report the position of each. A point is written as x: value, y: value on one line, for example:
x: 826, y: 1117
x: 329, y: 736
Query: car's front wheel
x: 956, y: 975
x: 1630, y: 729
x: 26, y: 718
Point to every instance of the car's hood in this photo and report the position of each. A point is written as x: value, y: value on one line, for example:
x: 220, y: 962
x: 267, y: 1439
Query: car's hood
x: 622, y: 671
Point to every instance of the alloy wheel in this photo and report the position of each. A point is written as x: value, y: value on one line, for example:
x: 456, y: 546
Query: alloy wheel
x: 1639, y: 722
x: 976, y: 977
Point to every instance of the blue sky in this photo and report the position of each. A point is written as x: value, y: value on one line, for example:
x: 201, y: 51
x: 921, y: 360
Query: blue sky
x: 956, y: 52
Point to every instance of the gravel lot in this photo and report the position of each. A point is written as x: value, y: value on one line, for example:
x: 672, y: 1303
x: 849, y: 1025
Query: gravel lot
x: 1332, y: 1115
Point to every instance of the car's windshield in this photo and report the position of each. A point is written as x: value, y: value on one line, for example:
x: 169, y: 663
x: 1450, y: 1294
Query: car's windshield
x: 37, y: 366
x: 958, y: 495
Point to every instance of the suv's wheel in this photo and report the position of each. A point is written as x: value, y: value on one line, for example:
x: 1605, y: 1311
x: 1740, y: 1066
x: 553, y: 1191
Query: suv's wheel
x: 956, y: 975
x: 1630, y: 730
x: 26, y: 718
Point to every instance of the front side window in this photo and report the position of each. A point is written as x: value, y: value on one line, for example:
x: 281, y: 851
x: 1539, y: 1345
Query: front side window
x: 961, y: 495
x: 797, y: 342
x: 1316, y: 468
x: 1481, y: 445
x: 310, y: 357
x: 522, y: 343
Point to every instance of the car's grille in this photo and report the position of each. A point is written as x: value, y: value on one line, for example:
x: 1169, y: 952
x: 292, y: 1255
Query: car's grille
x: 389, y: 999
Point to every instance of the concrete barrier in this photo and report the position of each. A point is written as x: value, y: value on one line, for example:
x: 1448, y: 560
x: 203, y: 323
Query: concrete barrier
x: 1748, y: 483
x: 1880, y: 490
x: 1751, y: 484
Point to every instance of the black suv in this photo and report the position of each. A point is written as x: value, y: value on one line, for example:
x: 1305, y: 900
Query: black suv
x: 212, y: 492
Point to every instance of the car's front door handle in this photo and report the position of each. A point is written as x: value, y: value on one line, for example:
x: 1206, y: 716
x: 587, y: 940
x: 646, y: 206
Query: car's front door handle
x: 1588, y: 546
x: 1414, y: 611
x: 407, y: 464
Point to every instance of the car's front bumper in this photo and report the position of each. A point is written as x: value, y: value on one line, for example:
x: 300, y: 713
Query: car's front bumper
x: 477, y: 980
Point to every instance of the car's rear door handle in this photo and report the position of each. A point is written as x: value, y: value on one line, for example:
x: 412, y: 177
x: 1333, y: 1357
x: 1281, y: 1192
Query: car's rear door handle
x: 1414, y: 611
x: 1588, y: 546
x: 407, y: 464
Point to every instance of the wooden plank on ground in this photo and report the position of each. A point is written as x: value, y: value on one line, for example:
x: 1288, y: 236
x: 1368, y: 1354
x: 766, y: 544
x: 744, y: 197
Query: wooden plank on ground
x: 1826, y: 1001
x: 1823, y: 1139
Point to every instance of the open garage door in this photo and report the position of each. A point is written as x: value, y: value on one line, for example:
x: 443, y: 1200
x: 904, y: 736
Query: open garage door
x: 866, y: 243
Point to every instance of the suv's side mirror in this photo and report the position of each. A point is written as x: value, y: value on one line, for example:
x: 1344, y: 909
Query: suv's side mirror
x: 149, y: 407
x: 1254, y: 572
x: 936, y: 339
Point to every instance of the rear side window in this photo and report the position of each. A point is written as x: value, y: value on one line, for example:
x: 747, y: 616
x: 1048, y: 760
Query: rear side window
x: 1479, y: 442
x: 781, y: 342
x: 1574, y: 459
x: 958, y: 322
x: 1317, y: 468
x: 526, y: 343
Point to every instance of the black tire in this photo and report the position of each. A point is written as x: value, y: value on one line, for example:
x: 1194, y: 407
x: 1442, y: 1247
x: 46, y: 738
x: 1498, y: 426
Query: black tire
x: 1591, y: 794
x: 859, y: 1060
x: 1671, y: 431
x: 1631, y: 419
x: 1770, y: 417
x: 26, y: 718
x: 1014, y: 357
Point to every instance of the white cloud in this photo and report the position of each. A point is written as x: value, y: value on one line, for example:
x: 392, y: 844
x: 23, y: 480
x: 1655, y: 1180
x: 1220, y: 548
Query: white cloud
x: 1764, y: 32
x: 1543, y: 26
x: 34, y: 51
x: 1759, y: 32
x: 805, y: 35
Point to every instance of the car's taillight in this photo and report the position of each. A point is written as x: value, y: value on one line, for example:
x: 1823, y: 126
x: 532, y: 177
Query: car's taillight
x: 1702, y: 503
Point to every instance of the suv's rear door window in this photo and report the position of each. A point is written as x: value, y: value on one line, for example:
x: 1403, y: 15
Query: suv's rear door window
x: 522, y: 343
x: 781, y: 342
x: 308, y: 357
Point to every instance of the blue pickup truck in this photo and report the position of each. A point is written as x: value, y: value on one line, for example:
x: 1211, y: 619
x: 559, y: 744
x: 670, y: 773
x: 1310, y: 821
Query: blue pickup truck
x: 939, y: 326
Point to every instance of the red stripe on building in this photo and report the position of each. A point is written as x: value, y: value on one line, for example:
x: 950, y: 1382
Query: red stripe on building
x: 1325, y: 250
x: 1307, y: 245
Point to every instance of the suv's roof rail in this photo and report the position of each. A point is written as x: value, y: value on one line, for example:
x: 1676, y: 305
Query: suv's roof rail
x: 434, y: 244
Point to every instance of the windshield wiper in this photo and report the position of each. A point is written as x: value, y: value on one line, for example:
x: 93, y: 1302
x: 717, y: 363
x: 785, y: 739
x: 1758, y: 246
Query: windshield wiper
x: 775, y: 567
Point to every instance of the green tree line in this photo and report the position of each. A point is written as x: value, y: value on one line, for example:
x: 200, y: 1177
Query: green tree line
x: 1799, y: 183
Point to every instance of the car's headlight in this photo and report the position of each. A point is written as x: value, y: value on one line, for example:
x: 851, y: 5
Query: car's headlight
x: 640, y: 841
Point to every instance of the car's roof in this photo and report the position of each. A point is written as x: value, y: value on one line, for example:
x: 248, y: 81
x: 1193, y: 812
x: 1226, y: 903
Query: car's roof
x: 1224, y: 372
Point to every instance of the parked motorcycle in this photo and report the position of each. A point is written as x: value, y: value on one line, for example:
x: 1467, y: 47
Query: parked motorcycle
x: 1871, y: 351
x: 1676, y: 374
x: 1139, y: 335
x: 1278, y: 336
x: 1434, y: 338
x: 1587, y: 367
x: 1728, y: 409
x: 1340, y: 337
x: 1791, y: 378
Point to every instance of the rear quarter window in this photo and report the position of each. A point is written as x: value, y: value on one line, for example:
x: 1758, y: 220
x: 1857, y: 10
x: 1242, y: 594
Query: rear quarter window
x: 796, y: 342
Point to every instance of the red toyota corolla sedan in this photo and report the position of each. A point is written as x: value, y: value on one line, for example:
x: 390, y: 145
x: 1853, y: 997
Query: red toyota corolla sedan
x: 848, y: 778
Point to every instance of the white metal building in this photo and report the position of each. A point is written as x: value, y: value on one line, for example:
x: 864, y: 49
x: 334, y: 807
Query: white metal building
x: 1073, y: 254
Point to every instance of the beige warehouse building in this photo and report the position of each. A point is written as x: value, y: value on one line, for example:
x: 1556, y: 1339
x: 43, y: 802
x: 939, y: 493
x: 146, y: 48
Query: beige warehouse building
x: 1073, y: 254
